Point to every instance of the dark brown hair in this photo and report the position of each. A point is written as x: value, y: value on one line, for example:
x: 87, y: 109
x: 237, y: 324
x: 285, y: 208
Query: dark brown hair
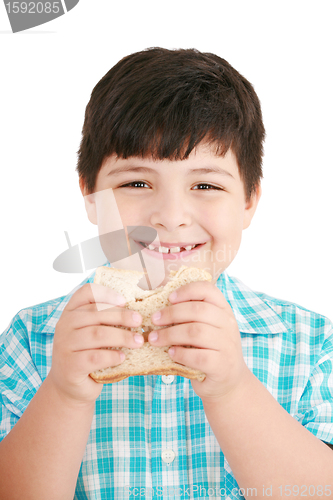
x: 162, y: 103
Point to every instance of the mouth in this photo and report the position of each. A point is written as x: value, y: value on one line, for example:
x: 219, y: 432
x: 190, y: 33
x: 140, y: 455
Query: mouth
x: 170, y: 251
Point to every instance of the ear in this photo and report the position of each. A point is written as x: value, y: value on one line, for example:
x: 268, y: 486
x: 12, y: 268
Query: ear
x: 251, y: 206
x: 89, y: 202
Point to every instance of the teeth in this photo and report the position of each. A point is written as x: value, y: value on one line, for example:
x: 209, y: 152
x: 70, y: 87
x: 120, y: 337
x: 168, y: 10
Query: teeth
x: 172, y: 250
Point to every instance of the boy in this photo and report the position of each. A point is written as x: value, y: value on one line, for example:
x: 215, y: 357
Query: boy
x: 177, y: 137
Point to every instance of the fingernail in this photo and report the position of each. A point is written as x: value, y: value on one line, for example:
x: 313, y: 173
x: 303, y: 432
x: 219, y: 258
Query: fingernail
x: 136, y: 317
x: 152, y: 336
x: 171, y: 351
x: 138, y: 338
x: 156, y: 316
x: 173, y: 296
x: 122, y: 356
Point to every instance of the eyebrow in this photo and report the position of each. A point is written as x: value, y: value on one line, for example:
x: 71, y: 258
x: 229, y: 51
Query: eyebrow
x: 148, y: 170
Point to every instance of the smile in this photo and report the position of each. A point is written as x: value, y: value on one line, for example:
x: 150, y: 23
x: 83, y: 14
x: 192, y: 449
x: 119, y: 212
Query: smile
x: 169, y: 252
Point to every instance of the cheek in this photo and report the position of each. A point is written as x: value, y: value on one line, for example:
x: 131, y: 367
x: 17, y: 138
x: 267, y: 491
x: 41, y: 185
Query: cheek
x: 108, y: 214
x: 130, y: 214
x: 226, y: 229
x: 225, y: 221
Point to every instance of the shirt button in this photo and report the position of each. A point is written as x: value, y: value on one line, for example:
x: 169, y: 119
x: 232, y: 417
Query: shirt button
x: 168, y: 379
x: 168, y: 456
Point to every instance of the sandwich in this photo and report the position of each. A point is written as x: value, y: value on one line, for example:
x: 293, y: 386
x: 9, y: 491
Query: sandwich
x: 147, y: 359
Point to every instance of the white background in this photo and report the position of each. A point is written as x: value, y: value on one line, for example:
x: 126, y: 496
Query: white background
x: 47, y: 74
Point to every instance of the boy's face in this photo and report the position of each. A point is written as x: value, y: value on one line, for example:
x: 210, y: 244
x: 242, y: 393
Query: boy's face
x: 178, y: 200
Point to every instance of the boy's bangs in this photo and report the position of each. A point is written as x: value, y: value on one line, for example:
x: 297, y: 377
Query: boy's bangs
x: 167, y: 144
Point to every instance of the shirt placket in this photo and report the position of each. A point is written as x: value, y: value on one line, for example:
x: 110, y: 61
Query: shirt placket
x: 164, y: 439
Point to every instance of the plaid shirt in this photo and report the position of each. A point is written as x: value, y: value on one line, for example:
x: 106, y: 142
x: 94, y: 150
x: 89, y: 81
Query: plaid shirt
x: 149, y: 436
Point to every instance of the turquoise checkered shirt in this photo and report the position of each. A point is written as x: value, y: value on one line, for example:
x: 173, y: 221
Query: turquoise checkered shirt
x: 149, y: 437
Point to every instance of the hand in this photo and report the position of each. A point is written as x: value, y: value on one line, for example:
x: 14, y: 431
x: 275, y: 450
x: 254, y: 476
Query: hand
x: 204, y: 320
x: 86, y: 326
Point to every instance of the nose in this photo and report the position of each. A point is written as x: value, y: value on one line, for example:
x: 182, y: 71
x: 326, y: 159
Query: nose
x: 171, y: 210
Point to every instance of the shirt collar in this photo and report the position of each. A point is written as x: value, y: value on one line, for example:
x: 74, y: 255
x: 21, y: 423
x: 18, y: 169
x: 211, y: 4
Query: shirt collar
x: 253, y: 314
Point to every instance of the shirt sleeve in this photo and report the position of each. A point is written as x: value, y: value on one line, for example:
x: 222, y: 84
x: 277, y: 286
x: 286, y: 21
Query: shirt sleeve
x: 7, y: 421
x: 19, y: 378
x: 315, y: 409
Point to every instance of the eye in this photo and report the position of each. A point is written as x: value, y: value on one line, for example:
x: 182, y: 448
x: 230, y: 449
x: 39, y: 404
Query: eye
x: 131, y: 185
x: 209, y: 186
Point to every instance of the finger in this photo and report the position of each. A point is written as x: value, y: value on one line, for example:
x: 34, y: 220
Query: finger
x: 200, y: 290
x: 96, y: 359
x: 116, y: 316
x: 185, y: 312
x: 199, y: 359
x: 99, y: 336
x: 93, y: 293
x: 189, y: 334
x: 97, y: 306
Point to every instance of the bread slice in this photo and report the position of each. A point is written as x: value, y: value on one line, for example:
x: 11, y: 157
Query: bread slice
x: 147, y: 359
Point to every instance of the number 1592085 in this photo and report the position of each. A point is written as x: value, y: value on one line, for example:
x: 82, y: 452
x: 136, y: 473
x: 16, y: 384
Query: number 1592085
x: 33, y: 7
x: 305, y: 491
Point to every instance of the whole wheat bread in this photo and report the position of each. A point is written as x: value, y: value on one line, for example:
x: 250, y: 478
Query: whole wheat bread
x: 147, y: 359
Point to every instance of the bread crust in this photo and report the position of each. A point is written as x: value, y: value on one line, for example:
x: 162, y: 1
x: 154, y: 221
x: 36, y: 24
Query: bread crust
x: 110, y: 379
